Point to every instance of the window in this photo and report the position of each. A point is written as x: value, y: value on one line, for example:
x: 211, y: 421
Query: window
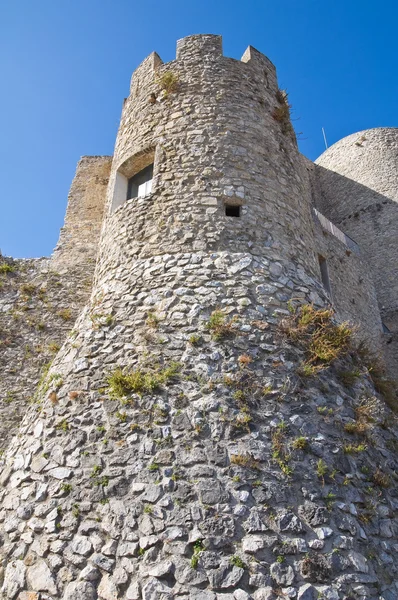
x: 325, y: 275
x: 140, y: 184
x: 134, y: 178
x: 232, y: 211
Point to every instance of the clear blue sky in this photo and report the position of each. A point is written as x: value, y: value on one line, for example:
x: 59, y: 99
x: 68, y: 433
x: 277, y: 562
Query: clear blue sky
x: 66, y: 64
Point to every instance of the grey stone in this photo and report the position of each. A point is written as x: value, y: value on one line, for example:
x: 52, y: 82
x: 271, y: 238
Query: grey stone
x: 323, y: 532
x: 186, y: 575
x: 264, y: 593
x: 109, y: 549
x: 90, y: 573
x: 155, y: 590
x: 38, y: 464
x: 211, y: 492
x: 14, y: 578
x: 358, y: 561
x: 161, y: 569
x: 36, y: 525
x: 128, y: 549
x: 290, y: 522
x: 281, y: 573
x: 40, y: 578
x: 307, y: 592
x: 81, y: 545
x: 316, y: 544
x: 133, y: 592
x: 80, y: 365
x: 252, y: 544
x: 60, y: 473
x: 196, y: 594
x: 240, y: 594
x: 80, y: 590
x: 104, y: 563
x: 107, y: 589
x: 312, y: 513
x: 152, y: 493
x: 329, y: 593
x: 233, y: 577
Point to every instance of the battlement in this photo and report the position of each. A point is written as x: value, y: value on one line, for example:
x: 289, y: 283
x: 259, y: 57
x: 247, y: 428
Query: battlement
x: 199, y: 48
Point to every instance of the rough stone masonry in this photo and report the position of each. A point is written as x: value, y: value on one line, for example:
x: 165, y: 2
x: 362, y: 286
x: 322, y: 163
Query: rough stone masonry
x: 161, y: 440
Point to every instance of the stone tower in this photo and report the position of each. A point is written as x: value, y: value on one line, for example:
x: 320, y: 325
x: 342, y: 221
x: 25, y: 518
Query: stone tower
x: 173, y: 450
x: 358, y: 190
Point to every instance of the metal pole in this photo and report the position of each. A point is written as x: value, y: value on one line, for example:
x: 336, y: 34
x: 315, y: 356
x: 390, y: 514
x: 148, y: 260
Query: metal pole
x: 324, y: 138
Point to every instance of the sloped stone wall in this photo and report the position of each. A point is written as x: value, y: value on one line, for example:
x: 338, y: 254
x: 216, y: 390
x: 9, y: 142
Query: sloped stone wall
x: 181, y: 492
x: 38, y: 307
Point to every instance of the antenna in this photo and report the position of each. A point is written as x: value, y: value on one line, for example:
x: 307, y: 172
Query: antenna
x: 324, y: 138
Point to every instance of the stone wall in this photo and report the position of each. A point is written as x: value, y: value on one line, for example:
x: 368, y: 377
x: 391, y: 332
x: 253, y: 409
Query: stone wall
x: 79, y: 237
x: 353, y: 292
x: 215, y: 142
x: 357, y: 188
x: 40, y: 299
x: 38, y: 307
x: 219, y: 471
x: 234, y: 476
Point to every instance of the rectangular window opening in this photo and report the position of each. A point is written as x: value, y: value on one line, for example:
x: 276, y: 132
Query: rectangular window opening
x: 232, y: 211
x: 325, y: 275
x: 140, y: 184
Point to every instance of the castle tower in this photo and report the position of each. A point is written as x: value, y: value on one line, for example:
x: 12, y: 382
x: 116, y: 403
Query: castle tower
x: 358, y: 184
x: 173, y: 450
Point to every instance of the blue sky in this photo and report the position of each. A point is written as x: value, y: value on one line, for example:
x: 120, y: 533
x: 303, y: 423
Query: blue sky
x: 66, y: 64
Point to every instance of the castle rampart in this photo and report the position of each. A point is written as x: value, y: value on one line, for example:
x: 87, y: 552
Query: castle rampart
x: 358, y: 190
x: 78, y: 241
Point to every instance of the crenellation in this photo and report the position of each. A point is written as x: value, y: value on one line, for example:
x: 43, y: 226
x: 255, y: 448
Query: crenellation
x: 199, y: 47
x: 207, y: 427
x: 144, y: 73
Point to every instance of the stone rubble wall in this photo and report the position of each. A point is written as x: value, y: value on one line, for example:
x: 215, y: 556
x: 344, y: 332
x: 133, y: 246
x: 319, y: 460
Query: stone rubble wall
x: 353, y: 291
x: 233, y: 477
x: 215, y: 141
x: 38, y: 307
x: 79, y: 237
x: 105, y: 498
x: 354, y: 296
x: 41, y: 299
x: 357, y: 186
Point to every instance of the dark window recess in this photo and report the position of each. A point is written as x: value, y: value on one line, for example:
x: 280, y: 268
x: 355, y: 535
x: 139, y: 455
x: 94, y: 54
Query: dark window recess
x: 140, y: 184
x: 325, y: 275
x: 232, y: 211
x: 385, y: 328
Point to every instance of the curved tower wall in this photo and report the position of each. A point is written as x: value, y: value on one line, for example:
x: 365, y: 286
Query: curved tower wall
x: 358, y: 190
x: 214, y: 141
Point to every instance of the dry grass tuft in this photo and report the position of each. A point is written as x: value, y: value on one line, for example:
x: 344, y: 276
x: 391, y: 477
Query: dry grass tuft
x: 244, y: 460
x: 323, y: 340
x: 220, y: 326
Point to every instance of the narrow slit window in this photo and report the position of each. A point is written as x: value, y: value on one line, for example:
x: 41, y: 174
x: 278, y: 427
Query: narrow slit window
x: 232, y: 211
x: 325, y: 275
x: 140, y: 184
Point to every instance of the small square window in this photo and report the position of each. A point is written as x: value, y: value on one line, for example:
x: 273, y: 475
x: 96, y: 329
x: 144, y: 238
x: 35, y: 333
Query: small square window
x: 232, y: 211
x: 140, y: 185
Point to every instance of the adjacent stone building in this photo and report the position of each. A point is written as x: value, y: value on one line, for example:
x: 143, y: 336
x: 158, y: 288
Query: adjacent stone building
x: 173, y: 448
